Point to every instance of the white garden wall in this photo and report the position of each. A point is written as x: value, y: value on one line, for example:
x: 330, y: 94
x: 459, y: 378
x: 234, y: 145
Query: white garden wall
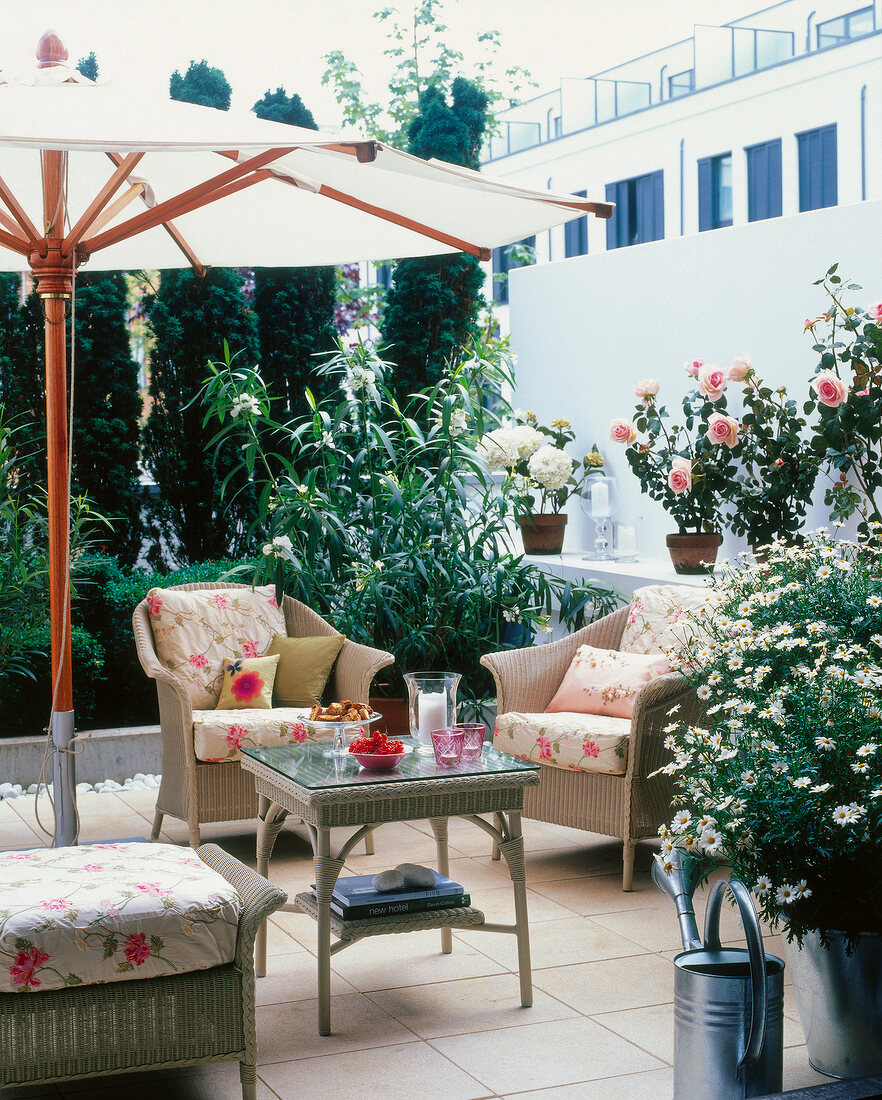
x: 586, y: 329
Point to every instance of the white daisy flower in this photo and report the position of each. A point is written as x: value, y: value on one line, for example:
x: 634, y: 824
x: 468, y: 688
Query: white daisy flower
x: 703, y: 692
x: 801, y: 783
x: 844, y: 815
x: 825, y: 743
x: 763, y: 887
x: 877, y: 793
x: 785, y: 894
x: 802, y: 889
x: 735, y: 662
x: 867, y: 750
x: 819, y: 788
x: 705, y: 822
x: 748, y: 778
x: 710, y: 840
x: 874, y: 601
x: 822, y: 574
x: 681, y: 821
x: 860, y: 766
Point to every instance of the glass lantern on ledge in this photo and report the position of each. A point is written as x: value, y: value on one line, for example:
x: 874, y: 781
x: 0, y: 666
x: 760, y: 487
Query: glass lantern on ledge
x: 627, y: 538
x: 597, y: 502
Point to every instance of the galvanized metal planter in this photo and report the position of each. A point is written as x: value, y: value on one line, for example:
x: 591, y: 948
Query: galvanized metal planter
x: 839, y: 997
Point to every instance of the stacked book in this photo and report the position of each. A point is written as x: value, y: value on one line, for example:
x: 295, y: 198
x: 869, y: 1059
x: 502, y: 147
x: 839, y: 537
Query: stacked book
x: 356, y: 898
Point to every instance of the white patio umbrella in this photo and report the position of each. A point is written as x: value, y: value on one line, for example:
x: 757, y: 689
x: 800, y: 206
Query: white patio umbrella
x: 90, y: 173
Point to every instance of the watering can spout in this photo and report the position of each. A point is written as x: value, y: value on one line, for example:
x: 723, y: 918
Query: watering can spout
x: 677, y: 875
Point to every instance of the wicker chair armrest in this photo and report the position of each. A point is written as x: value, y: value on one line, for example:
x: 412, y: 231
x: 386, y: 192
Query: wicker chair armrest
x: 526, y: 679
x: 259, y: 897
x: 652, y: 714
x: 355, y: 669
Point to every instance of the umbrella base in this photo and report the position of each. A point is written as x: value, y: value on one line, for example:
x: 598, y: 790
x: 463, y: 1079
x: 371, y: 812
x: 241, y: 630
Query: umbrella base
x: 63, y: 779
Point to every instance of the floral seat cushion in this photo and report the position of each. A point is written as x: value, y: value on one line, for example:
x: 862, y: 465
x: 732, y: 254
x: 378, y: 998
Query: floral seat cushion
x: 110, y: 912
x: 663, y: 617
x: 220, y: 734
x: 196, y: 633
x: 577, y: 742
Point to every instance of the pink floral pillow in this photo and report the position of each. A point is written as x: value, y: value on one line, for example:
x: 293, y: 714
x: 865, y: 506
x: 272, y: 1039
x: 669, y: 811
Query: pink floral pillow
x: 605, y: 681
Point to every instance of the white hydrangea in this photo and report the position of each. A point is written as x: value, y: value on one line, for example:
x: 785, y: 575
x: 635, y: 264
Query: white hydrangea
x: 550, y: 467
x: 527, y: 440
x: 500, y: 449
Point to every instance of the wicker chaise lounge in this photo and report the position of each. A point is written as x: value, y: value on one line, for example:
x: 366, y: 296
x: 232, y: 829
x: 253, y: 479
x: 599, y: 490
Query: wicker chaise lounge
x: 198, y: 791
x: 630, y: 805
x: 149, y: 1023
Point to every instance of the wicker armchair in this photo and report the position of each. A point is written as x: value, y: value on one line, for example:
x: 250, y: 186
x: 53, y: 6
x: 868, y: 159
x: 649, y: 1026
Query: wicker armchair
x: 152, y: 1023
x: 629, y: 806
x: 199, y: 792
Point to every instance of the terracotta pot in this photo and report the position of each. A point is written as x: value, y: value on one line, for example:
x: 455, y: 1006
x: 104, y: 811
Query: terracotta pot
x: 394, y: 710
x: 689, y: 551
x: 543, y: 534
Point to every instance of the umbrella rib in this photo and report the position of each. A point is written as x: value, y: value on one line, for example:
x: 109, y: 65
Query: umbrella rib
x: 479, y: 251
x: 169, y: 226
x: 30, y: 231
x: 16, y: 243
x: 190, y: 199
x: 123, y: 169
x: 13, y: 227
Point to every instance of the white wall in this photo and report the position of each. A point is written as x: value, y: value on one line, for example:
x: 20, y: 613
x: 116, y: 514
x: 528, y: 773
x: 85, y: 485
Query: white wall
x: 586, y: 329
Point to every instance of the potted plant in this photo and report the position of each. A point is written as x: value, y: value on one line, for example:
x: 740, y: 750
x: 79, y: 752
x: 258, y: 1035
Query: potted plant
x: 846, y: 393
x: 784, y: 777
x: 540, y: 477
x: 688, y: 467
x: 778, y: 466
x: 387, y: 520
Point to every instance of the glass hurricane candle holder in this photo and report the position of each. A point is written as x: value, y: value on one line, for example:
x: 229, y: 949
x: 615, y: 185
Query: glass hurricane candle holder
x: 627, y: 538
x: 431, y: 705
x: 597, y: 502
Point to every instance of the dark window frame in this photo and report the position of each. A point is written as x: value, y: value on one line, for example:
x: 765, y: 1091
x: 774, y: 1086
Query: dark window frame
x: 639, y: 216
x: 764, y: 186
x: 818, y: 158
x: 710, y: 191
x: 576, y: 233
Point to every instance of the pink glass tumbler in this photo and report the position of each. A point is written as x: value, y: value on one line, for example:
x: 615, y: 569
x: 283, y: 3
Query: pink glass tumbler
x: 473, y: 739
x: 447, y: 744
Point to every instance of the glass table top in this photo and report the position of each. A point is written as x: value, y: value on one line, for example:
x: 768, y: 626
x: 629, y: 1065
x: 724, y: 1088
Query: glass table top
x: 307, y: 765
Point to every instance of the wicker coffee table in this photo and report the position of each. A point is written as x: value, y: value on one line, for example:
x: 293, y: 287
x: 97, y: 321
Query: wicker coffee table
x: 327, y: 794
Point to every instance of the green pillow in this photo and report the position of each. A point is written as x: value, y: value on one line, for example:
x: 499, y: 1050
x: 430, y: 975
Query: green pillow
x: 304, y: 667
x: 248, y: 682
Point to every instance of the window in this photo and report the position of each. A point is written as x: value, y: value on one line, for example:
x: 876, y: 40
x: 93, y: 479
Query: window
x: 764, y: 180
x: 817, y: 168
x: 715, y: 192
x: 681, y: 83
x: 383, y: 276
x: 854, y: 25
x: 576, y: 233
x: 639, y: 215
x: 506, y: 259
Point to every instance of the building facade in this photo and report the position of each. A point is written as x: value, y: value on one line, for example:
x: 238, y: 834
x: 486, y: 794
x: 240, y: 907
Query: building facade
x: 774, y: 114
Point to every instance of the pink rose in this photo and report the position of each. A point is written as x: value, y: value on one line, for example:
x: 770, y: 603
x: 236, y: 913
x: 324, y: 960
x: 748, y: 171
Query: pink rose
x: 544, y: 744
x: 711, y: 382
x: 154, y: 605
x: 299, y: 732
x: 220, y: 602
x: 646, y: 387
x: 722, y: 429
x: 694, y: 367
x: 875, y: 311
x: 830, y: 388
x: 740, y: 368
x: 622, y: 431
x: 680, y: 477
x: 235, y: 735
x: 779, y: 462
x: 198, y: 660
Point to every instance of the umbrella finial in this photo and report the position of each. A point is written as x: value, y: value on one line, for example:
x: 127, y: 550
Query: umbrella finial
x: 50, y: 51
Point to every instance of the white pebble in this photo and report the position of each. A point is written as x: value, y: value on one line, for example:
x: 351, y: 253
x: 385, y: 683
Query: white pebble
x: 32, y: 789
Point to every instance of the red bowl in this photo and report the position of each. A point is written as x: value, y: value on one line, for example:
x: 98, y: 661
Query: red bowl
x: 375, y: 761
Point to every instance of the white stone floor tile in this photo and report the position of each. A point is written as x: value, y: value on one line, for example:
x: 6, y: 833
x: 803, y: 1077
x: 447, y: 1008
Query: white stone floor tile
x: 655, y: 1084
x: 557, y: 1053
x: 390, y: 1073
x: 468, y: 1006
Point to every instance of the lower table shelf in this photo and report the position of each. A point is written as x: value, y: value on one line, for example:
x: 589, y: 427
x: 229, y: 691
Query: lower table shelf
x: 465, y: 917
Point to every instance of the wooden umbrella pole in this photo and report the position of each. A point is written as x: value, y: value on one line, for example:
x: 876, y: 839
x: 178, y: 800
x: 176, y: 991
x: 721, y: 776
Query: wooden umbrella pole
x: 54, y: 276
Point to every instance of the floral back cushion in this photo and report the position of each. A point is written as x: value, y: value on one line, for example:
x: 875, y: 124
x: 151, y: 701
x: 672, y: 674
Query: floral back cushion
x: 110, y: 912
x: 662, y: 618
x: 605, y: 681
x: 198, y: 633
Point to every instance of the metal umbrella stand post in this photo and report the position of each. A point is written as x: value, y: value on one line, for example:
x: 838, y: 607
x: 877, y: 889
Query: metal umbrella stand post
x: 728, y: 1002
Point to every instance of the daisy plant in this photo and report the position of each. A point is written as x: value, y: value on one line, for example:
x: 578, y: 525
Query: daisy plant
x: 783, y: 778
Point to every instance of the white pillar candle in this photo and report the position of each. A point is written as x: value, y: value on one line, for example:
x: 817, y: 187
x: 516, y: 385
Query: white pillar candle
x: 600, y: 499
x: 431, y: 713
x: 627, y: 540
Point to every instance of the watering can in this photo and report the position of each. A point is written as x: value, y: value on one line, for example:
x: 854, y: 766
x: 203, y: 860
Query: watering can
x: 728, y: 1002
